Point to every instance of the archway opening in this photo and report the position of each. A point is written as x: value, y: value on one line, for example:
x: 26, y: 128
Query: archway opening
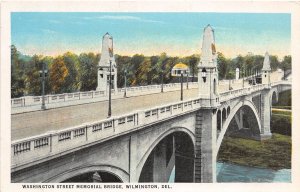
x: 274, y: 98
x: 228, y: 110
x: 219, y: 122
x: 171, y: 160
x: 94, y: 177
x: 244, y: 124
x: 224, y: 115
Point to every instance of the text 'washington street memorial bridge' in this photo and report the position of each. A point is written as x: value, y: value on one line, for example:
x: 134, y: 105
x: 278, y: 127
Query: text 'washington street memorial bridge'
x: 149, y: 133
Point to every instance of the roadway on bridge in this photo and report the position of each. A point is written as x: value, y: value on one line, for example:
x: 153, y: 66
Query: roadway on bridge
x: 38, y: 122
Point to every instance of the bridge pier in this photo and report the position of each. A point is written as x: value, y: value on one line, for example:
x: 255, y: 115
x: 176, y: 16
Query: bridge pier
x: 159, y: 164
x: 265, y: 114
x: 133, y: 145
x: 205, y: 159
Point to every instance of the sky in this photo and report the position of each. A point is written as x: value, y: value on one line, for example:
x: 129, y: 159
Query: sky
x: 177, y: 34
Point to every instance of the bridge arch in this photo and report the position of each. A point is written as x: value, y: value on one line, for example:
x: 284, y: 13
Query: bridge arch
x: 274, y: 96
x: 231, y: 115
x: 228, y: 111
x: 155, y: 143
x: 119, y: 173
x: 224, y: 115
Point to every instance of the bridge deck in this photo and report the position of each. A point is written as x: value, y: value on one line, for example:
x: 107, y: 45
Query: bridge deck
x: 38, y: 122
x: 34, y: 123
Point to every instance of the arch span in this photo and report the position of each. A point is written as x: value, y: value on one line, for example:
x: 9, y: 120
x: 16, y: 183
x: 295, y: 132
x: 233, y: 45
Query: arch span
x: 119, y: 173
x: 163, y: 135
x: 234, y: 110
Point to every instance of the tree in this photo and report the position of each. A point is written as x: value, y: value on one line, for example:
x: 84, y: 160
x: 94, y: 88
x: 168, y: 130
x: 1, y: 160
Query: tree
x: 58, y: 74
x: 249, y: 63
x: 88, y: 71
x: 192, y: 62
x: 222, y: 66
x: 123, y: 62
x: 48, y: 61
x: 17, y: 74
x: 286, y: 64
x: 238, y: 62
x: 33, y: 80
x: 71, y: 82
x: 161, y: 66
x: 143, y: 71
x: 274, y: 62
x: 135, y: 62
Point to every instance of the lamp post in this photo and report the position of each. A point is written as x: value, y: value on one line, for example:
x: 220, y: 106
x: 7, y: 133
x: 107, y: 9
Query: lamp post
x: 181, y: 83
x: 109, y: 93
x: 187, y: 79
x: 125, y: 83
x: 43, y: 74
x: 243, y: 73
x: 162, y: 81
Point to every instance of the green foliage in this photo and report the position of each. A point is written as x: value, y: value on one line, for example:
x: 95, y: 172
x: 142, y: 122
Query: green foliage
x: 274, y: 153
x: 71, y: 82
x: 58, y: 74
x: 281, y: 122
x: 286, y: 63
x: 223, y: 66
x: 33, y: 80
x: 87, y: 72
x: 17, y: 73
x: 284, y: 99
x: 192, y: 61
x: 79, y: 72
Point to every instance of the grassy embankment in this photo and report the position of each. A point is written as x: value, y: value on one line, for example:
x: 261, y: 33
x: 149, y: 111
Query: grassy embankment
x: 281, y: 121
x: 274, y: 153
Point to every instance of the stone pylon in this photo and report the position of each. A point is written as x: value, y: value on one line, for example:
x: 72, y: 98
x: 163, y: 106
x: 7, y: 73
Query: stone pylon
x: 107, y: 60
x: 266, y: 70
x: 208, y: 72
x: 205, y: 125
x: 265, y: 99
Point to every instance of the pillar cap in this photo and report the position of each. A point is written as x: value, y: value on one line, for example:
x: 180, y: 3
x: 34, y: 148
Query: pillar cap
x: 107, y: 52
x: 266, y: 66
x: 208, y: 51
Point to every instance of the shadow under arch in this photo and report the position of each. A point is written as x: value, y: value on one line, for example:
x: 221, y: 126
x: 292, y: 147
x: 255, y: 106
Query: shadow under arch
x: 157, y: 141
x: 119, y: 173
x: 274, y: 96
x: 233, y: 111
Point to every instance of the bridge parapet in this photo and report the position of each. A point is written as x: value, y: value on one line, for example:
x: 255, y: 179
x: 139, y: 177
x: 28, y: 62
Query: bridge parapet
x: 286, y: 82
x: 28, y: 151
x: 65, y: 97
x: 225, y: 96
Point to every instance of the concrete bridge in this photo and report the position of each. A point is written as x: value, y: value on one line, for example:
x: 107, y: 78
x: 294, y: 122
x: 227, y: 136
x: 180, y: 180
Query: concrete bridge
x: 149, y: 144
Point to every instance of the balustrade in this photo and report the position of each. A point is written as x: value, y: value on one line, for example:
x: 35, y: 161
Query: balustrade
x: 67, y: 139
x: 37, y: 100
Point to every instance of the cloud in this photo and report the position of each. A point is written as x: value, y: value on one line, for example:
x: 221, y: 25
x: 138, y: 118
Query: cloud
x: 122, y: 17
x: 48, y: 31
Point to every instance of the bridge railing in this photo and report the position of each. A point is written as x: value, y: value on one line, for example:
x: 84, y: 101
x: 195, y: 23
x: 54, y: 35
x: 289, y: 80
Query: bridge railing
x: 57, y: 142
x: 248, y: 90
x: 284, y: 82
x: 65, y: 97
x: 239, y: 92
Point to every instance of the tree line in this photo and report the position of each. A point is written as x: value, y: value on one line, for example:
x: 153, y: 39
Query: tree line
x: 71, y: 72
